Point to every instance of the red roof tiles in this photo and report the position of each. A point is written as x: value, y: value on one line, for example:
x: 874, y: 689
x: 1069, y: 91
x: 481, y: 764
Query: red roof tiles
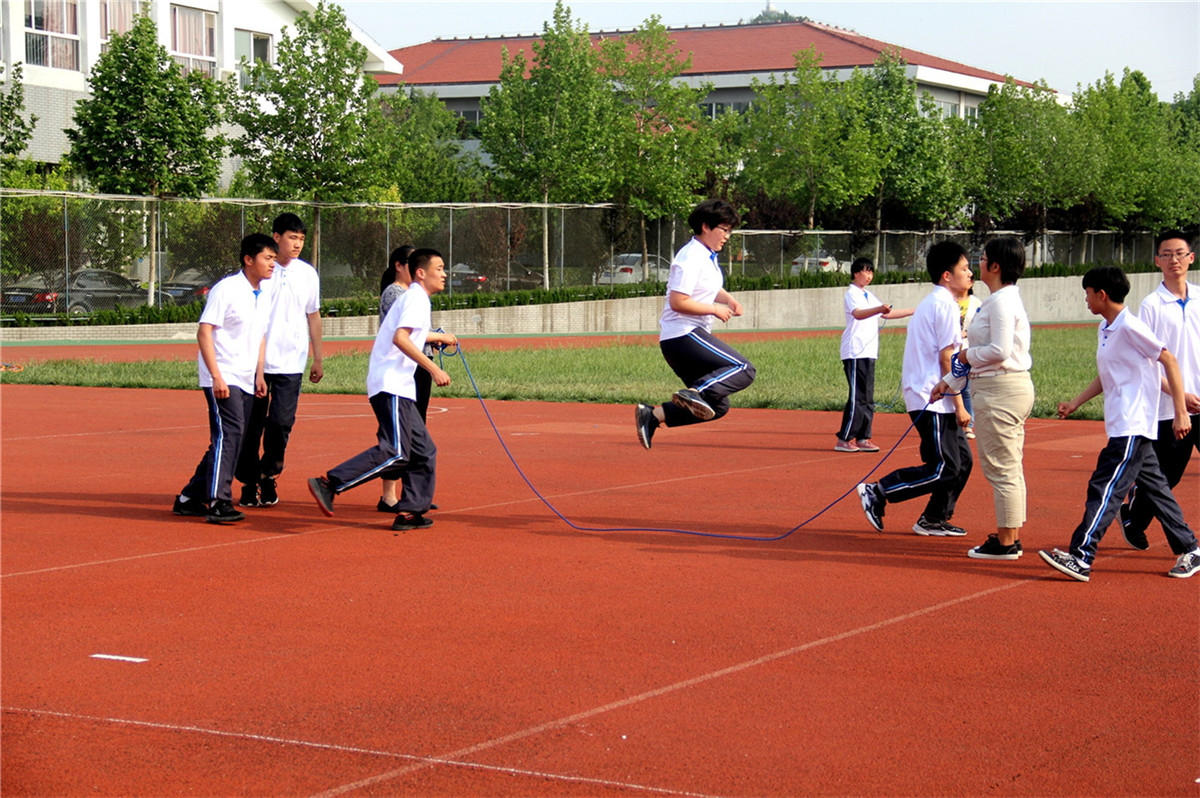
x: 726, y: 49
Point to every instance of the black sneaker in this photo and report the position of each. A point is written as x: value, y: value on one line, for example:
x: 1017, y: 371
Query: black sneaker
x: 190, y: 508
x: 267, y: 495
x: 1067, y: 564
x: 322, y: 491
x: 249, y: 496
x: 643, y: 416
x: 691, y: 400
x: 1020, y: 548
x: 941, y: 529
x: 872, y: 503
x: 1135, y: 538
x: 384, y: 507
x: 411, y: 521
x: 223, y: 512
x: 993, y: 549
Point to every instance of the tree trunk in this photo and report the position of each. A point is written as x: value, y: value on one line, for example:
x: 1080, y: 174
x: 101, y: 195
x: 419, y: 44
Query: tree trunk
x: 878, y: 226
x: 645, y: 248
x: 546, y: 240
x: 153, y: 278
x: 316, y: 238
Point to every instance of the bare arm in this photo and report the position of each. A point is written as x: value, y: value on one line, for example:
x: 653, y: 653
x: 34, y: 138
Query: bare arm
x: 315, y: 329
x: 1094, y: 389
x: 683, y: 303
x: 1183, y: 423
x: 208, y: 353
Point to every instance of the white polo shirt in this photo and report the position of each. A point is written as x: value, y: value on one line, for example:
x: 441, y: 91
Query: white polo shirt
x: 295, y: 293
x: 935, y: 325
x: 860, y: 339
x: 1177, y: 323
x: 1127, y: 359
x: 238, y: 315
x: 696, y: 273
x: 390, y: 370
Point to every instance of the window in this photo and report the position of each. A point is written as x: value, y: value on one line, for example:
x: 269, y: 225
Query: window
x: 194, y: 39
x: 253, y: 48
x: 52, y: 33
x: 947, y: 109
x: 116, y: 16
x: 971, y: 114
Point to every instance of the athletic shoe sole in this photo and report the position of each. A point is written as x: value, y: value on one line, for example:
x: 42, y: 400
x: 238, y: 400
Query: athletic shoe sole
x: 868, y: 504
x: 694, y: 405
x: 976, y: 554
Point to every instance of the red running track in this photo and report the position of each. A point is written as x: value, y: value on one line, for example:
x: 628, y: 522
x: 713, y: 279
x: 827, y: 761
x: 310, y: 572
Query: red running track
x: 501, y: 652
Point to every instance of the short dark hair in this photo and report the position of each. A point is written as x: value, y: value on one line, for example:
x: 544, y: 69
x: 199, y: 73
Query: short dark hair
x: 399, y: 255
x: 943, y: 257
x: 1008, y: 253
x: 714, y: 213
x: 288, y: 223
x: 254, y: 244
x: 1109, y: 279
x: 1167, y: 235
x: 861, y: 265
x: 419, y: 259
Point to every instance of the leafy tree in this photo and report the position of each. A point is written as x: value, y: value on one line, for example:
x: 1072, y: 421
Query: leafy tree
x: 1188, y: 105
x: 662, y: 142
x: 548, y: 125
x: 1035, y: 157
x: 146, y: 129
x: 807, y: 141
x: 15, y: 129
x: 419, y: 154
x: 771, y: 15
x: 303, y: 117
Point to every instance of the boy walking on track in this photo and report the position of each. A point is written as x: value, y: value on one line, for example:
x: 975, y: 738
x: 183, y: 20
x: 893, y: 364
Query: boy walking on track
x: 1128, y: 355
x: 1172, y: 313
x: 295, y: 320
x: 232, y: 340
x: 404, y: 448
x: 710, y: 369
x: 934, y: 336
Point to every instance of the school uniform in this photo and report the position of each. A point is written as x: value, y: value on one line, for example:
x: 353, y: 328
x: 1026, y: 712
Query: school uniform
x: 697, y: 357
x: 238, y: 314
x: 295, y: 293
x: 404, y: 448
x: 945, y: 455
x: 1127, y: 361
x: 859, y: 351
x: 1177, y: 323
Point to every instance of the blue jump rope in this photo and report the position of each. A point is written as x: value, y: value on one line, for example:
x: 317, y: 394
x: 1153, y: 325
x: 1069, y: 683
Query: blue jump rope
x: 956, y: 369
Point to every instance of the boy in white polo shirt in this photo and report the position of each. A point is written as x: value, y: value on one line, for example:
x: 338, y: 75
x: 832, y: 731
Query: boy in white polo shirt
x: 232, y: 339
x: 710, y: 369
x: 934, y: 336
x: 1172, y: 312
x: 404, y: 448
x: 295, y: 321
x: 1127, y: 358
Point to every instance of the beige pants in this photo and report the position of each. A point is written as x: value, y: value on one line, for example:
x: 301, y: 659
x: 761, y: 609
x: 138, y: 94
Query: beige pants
x: 1002, y: 403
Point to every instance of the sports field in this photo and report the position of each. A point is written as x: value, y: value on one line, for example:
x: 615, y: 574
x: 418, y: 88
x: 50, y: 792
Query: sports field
x: 505, y: 651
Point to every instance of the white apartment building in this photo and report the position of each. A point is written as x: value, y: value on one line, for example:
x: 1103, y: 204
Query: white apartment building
x: 59, y: 41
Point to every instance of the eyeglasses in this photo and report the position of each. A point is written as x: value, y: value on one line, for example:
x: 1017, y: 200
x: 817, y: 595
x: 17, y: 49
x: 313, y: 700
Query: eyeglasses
x: 726, y: 229
x: 1179, y: 254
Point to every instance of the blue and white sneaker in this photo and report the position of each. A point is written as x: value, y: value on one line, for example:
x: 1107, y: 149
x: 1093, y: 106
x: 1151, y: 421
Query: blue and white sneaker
x: 1067, y: 564
x: 1187, y: 564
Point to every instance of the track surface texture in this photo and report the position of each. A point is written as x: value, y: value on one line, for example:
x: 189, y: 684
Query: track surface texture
x: 501, y: 652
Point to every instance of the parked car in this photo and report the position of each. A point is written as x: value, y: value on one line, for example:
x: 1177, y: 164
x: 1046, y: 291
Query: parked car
x: 185, y: 293
x: 521, y: 276
x: 819, y: 261
x: 628, y: 268
x: 89, y: 290
x: 464, y: 279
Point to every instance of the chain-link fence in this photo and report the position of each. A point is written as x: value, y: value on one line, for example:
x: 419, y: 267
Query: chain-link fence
x: 65, y: 252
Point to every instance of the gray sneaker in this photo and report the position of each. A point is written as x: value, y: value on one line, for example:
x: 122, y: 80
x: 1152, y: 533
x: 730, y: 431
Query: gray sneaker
x: 322, y: 491
x: 940, y: 529
x: 691, y: 400
x: 1186, y: 565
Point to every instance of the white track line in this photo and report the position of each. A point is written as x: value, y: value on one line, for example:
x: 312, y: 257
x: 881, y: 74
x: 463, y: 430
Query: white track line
x: 672, y: 688
x: 424, y: 761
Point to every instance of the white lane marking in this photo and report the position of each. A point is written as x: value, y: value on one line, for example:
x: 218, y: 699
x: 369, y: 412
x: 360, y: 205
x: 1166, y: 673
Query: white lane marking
x: 424, y: 760
x: 119, y: 658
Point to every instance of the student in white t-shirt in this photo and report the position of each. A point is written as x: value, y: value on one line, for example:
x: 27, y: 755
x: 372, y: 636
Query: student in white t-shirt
x: 232, y: 339
x: 711, y: 370
x: 934, y: 337
x: 295, y: 322
x: 1128, y: 355
x: 1172, y: 312
x: 404, y: 448
x: 860, y: 349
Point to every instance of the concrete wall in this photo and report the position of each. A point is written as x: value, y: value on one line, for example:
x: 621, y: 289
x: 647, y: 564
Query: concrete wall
x: 1048, y: 300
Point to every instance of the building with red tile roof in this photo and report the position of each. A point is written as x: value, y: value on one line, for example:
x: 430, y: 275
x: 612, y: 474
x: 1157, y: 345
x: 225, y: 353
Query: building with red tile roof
x: 730, y: 57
